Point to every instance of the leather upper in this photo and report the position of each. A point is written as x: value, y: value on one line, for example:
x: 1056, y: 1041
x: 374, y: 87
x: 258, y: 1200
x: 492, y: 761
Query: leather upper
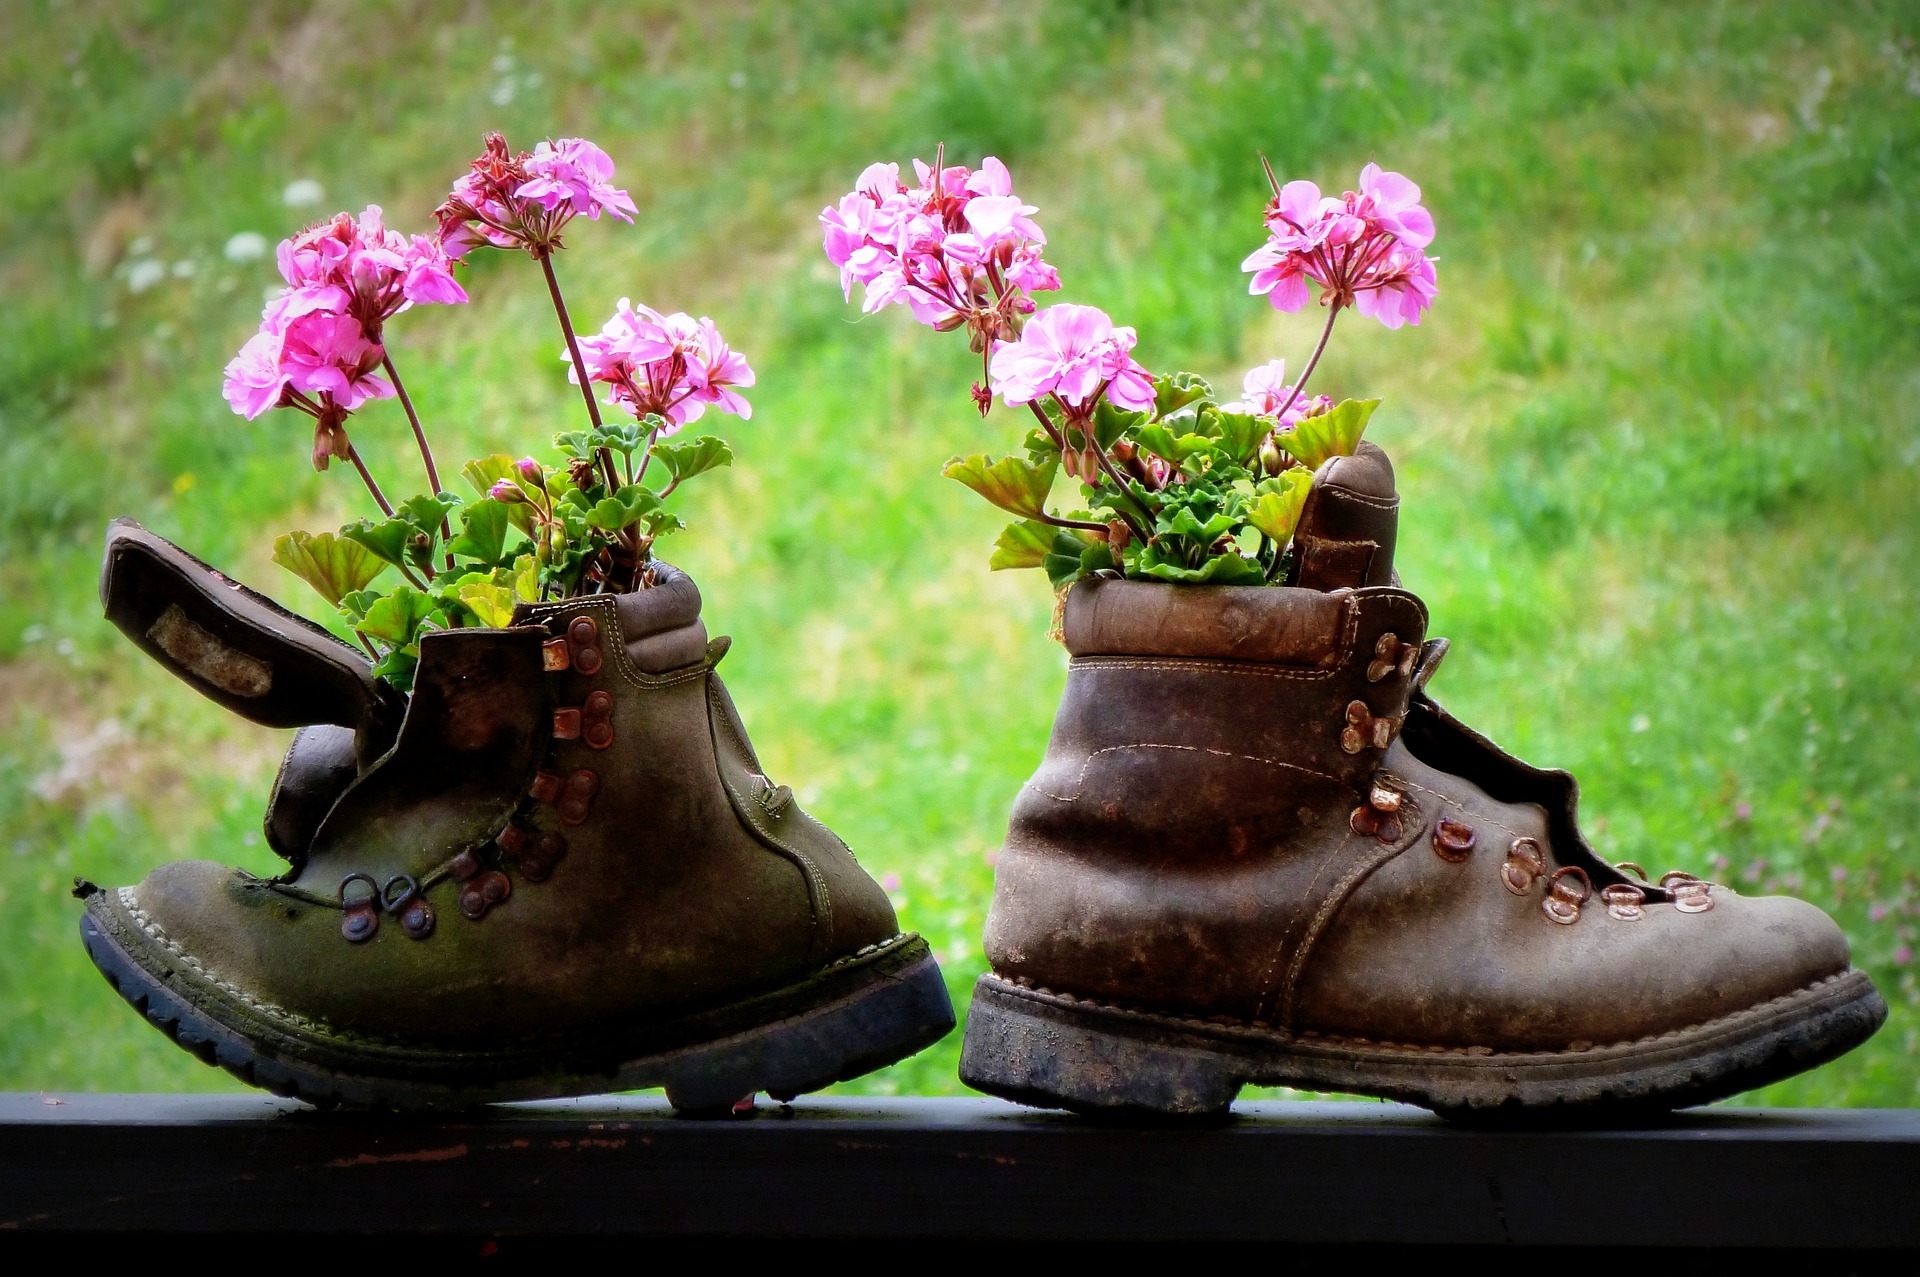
x: 685, y: 878
x: 1250, y: 810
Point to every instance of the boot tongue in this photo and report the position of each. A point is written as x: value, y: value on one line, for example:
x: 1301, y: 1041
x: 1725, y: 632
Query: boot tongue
x: 1347, y: 527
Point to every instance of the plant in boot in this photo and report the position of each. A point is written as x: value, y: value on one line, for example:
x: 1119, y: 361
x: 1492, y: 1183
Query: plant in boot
x: 1257, y: 850
x: 585, y: 525
x: 530, y: 849
x: 1175, y: 485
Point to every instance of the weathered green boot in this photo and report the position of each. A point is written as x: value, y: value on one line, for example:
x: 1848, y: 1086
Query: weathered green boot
x: 564, y: 873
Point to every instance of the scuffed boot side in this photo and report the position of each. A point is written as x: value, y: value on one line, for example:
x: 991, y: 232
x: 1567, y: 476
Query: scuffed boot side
x: 851, y: 911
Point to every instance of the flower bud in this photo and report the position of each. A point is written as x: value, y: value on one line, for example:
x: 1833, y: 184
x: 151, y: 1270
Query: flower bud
x: 529, y: 469
x: 1271, y: 459
x: 508, y: 492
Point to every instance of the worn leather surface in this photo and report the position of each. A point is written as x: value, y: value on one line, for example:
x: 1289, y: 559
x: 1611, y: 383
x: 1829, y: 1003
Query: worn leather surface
x: 678, y: 890
x: 1349, y: 523
x: 233, y: 645
x: 1188, y: 844
x: 1190, y: 819
x: 317, y: 769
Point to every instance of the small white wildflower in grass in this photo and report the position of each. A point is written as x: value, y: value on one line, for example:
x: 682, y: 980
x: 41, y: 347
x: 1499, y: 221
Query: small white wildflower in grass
x: 301, y: 192
x: 184, y: 268
x: 502, y: 93
x: 143, y: 275
x: 1641, y: 723
x: 247, y: 246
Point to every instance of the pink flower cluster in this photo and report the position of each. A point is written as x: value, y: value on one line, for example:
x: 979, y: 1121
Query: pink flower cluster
x: 1364, y: 249
x: 523, y: 201
x: 672, y: 366
x: 960, y: 249
x: 318, y: 348
x: 1266, y: 392
x: 1075, y: 354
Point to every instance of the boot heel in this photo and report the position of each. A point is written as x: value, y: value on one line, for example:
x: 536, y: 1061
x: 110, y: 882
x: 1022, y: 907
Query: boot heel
x: 1088, y: 1059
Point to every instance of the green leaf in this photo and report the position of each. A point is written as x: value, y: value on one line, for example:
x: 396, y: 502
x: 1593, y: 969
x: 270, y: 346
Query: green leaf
x: 1016, y: 486
x: 1221, y: 569
x: 395, y: 619
x: 388, y: 538
x: 354, y: 606
x: 1277, y: 502
x: 484, y: 472
x: 1240, y: 434
x: 1110, y: 422
x: 660, y: 522
x: 397, y: 667
x: 1022, y: 545
x: 427, y: 513
x: 1175, y: 390
x: 1334, y: 433
x: 483, y: 532
x: 526, y: 578
x: 1162, y: 442
x: 493, y: 604
x: 1186, y: 523
x: 331, y: 565
x: 608, y: 515
x: 685, y: 460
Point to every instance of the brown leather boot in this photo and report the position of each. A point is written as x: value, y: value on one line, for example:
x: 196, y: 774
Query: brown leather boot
x: 565, y: 873
x: 1258, y: 852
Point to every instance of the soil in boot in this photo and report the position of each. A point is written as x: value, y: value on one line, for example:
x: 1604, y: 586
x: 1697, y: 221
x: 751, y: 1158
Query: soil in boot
x: 565, y: 873
x: 1257, y: 851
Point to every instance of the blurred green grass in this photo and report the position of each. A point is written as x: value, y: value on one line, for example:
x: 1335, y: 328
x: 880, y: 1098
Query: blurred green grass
x: 1657, y: 438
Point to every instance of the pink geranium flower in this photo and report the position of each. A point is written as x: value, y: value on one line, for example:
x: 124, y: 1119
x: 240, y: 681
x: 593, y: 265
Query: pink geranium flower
x: 524, y: 201
x: 254, y: 382
x: 1266, y: 392
x: 361, y: 268
x: 959, y: 250
x: 673, y: 366
x: 1364, y: 249
x: 1075, y: 353
x: 331, y: 355
x: 576, y: 174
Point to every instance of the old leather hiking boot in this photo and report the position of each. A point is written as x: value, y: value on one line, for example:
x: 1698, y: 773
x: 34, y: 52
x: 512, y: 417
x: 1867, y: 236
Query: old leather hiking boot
x: 1257, y: 852
x: 564, y: 872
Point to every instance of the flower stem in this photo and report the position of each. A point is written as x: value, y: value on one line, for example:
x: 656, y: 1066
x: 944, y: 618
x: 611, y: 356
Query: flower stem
x: 566, y: 329
x: 1105, y: 465
x: 419, y: 437
x: 579, y: 364
x: 413, y: 419
x: 1333, y: 313
x: 353, y: 455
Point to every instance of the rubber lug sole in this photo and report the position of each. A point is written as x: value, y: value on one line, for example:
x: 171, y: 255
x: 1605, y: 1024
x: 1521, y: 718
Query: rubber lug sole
x: 1053, y: 1051
x: 865, y: 1016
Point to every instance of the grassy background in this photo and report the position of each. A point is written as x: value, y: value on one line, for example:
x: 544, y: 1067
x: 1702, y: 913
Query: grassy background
x: 1657, y: 437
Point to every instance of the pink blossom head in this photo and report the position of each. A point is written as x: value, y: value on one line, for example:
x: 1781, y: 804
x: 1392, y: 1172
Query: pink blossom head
x: 1393, y: 202
x: 1399, y: 290
x: 670, y: 366
x: 428, y: 274
x: 1071, y: 352
x: 575, y: 175
x: 253, y: 380
x: 329, y: 354
x: 1265, y: 392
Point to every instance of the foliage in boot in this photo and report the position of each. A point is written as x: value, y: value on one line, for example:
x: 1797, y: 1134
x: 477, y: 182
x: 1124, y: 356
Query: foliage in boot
x: 529, y: 533
x: 1173, y: 484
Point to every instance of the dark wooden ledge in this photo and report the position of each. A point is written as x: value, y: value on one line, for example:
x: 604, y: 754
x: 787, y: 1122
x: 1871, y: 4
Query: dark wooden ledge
x: 964, y: 1168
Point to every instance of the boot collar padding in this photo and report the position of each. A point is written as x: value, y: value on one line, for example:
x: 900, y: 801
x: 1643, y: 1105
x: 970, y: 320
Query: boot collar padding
x: 1274, y: 625
x: 661, y: 626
